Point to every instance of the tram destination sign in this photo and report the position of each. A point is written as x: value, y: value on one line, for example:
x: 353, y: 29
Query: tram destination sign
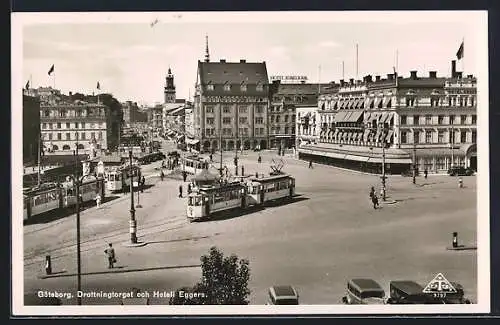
x: 289, y: 79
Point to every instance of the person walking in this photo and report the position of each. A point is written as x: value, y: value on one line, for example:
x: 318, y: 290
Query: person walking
x: 98, y: 200
x: 143, y: 183
x: 110, y: 254
x: 189, y: 188
x: 310, y: 164
x: 259, y: 160
x: 425, y: 173
x: 375, y: 201
x: 184, y: 176
x: 180, y: 190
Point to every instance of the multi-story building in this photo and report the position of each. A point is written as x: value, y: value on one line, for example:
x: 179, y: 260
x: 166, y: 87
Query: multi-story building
x: 169, y: 90
x: 230, y: 105
x: 132, y: 114
x: 189, y: 122
x: 307, y: 125
x: 173, y: 117
x: 285, y: 99
x: 67, y: 125
x: 427, y: 121
x: 31, y: 129
x: 155, y: 119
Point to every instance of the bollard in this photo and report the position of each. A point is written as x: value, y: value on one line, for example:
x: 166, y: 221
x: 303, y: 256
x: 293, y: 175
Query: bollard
x: 48, y: 265
x: 455, y: 240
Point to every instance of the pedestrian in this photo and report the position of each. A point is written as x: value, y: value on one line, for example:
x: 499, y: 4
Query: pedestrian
x: 425, y: 173
x: 110, y: 254
x: 180, y: 190
x: 162, y: 175
x: 184, y: 175
x: 259, y: 160
x: 460, y: 182
x: 98, y: 200
x: 372, y: 192
x: 211, y: 157
x: 375, y: 201
x: 189, y: 188
x: 310, y: 164
x: 143, y: 183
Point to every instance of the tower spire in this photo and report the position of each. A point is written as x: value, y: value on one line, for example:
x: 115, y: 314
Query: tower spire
x: 207, y: 55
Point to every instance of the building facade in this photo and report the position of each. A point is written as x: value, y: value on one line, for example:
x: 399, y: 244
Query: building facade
x: 31, y: 129
x: 285, y: 98
x: 155, y: 119
x: 67, y: 125
x: 169, y: 90
x: 428, y: 122
x: 132, y: 114
x: 230, y: 105
x: 307, y: 125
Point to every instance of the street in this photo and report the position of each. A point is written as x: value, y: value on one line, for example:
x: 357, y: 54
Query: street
x: 328, y: 234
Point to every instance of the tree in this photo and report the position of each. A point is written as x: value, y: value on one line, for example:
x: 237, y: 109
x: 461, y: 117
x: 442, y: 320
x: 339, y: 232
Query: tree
x: 224, y: 281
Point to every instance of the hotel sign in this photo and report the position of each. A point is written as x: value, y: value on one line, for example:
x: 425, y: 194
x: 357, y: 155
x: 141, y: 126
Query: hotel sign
x: 289, y: 79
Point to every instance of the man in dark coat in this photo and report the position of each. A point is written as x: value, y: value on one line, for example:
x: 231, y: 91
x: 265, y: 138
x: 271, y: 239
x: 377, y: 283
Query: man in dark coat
x: 110, y: 254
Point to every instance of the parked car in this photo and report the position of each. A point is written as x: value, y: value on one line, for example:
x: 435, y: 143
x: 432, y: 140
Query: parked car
x: 460, y: 171
x: 283, y: 295
x: 455, y: 298
x: 408, y: 293
x: 364, y: 292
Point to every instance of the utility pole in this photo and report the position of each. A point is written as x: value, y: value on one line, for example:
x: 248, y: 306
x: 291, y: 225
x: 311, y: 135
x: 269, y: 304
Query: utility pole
x: 220, y: 140
x: 39, y: 158
x: 133, y: 223
x: 78, y: 248
x: 414, y: 161
x: 383, y: 170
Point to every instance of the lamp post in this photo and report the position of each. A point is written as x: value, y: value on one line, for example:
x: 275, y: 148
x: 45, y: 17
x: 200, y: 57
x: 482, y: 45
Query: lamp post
x: 133, y: 223
x: 414, y: 162
x: 78, y: 248
x: 383, y: 165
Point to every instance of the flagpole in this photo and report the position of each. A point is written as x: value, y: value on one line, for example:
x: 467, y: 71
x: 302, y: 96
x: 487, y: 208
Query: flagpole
x: 356, y: 61
x: 39, y: 154
x: 463, y: 57
x: 54, y: 79
x: 319, y: 79
x: 343, y: 70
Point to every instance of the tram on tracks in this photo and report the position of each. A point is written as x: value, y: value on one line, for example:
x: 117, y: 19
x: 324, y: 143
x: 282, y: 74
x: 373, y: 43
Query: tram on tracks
x: 206, y: 201
x: 118, y: 179
x: 56, y: 196
x: 193, y: 164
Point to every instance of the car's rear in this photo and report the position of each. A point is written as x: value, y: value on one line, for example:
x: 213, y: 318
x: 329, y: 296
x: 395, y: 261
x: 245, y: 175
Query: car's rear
x: 283, y: 295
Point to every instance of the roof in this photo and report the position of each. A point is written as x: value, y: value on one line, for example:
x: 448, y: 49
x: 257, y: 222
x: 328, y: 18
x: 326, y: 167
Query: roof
x: 367, y: 284
x: 299, y: 88
x: 283, y: 291
x: 205, y: 175
x: 170, y: 107
x: 269, y: 178
x: 409, y: 287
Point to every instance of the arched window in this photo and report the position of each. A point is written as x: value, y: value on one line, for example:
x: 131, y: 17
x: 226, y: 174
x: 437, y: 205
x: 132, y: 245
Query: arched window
x: 66, y: 147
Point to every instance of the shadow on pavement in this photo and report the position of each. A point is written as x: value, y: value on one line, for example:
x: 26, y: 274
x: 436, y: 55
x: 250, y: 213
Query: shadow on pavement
x: 178, y: 240
x: 121, y: 269
x: 56, y: 214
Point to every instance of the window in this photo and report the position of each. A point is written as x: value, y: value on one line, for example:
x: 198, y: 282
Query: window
x: 68, y: 136
x: 243, y: 87
x: 100, y: 135
x: 209, y: 109
x: 68, y: 126
x: 293, y: 118
x: 440, y: 119
x: 472, y: 101
x: 92, y: 135
x: 210, y: 87
x: 272, y: 118
x: 286, y: 118
x: 440, y: 136
x: 76, y: 125
x: 226, y: 109
x: 293, y: 129
x: 463, y: 119
x: 242, y: 109
x: 474, y: 119
x: 416, y: 137
x: 452, y: 137
x: 83, y: 136
x: 404, y: 137
x: 259, y: 120
x: 286, y: 129
x: 47, y: 113
x: 260, y: 87
x: 278, y: 130
x: 226, y: 120
x: 463, y: 137
x: 403, y: 120
x: 474, y: 136
x: 210, y: 120
x: 440, y: 163
x: 50, y: 136
x: 428, y: 136
x: 277, y: 118
x: 416, y: 119
x: 83, y: 125
x: 44, y: 125
x: 58, y: 125
x: 428, y: 164
x: 260, y: 109
x: 59, y: 136
x: 243, y: 120
x: 428, y: 119
x: 452, y: 119
x: 227, y: 87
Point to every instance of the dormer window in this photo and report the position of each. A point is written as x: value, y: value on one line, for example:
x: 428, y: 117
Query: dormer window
x: 243, y: 87
x: 260, y: 87
x: 227, y: 87
x: 210, y: 87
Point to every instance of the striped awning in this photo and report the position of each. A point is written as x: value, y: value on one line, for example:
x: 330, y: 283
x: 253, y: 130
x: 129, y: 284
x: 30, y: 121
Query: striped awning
x: 347, y: 116
x: 383, y: 117
x: 365, y: 135
x: 354, y: 116
x: 342, y: 103
x: 377, y: 102
x: 339, y: 117
x: 388, y: 102
x: 356, y: 158
x: 361, y: 103
x: 334, y: 104
x: 389, y: 135
x: 335, y: 133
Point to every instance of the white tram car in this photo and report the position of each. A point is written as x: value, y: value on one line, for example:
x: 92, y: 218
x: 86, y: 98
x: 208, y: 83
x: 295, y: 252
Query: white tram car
x: 205, y: 201
x: 119, y: 179
x: 194, y: 164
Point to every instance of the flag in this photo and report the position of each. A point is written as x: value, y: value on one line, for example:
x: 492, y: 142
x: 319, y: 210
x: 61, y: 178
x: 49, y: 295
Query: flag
x: 154, y: 22
x: 460, y: 52
x: 27, y: 85
x: 98, y: 85
x: 51, y: 70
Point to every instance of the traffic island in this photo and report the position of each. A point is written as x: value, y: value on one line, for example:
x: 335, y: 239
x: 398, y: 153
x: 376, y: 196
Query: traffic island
x: 138, y: 244
x: 456, y: 247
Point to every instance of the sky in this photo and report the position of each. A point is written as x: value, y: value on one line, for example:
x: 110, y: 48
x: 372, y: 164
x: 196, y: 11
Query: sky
x: 130, y: 58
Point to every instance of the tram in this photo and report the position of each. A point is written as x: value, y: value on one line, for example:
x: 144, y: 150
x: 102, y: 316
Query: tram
x: 193, y: 164
x: 56, y: 196
x: 207, y: 200
x: 119, y: 179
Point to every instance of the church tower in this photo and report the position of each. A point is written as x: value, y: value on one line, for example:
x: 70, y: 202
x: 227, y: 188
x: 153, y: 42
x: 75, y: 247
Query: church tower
x: 169, y: 91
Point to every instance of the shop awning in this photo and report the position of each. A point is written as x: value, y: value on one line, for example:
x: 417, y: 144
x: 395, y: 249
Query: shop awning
x: 383, y: 117
x: 322, y: 133
x: 370, y: 102
x: 354, y: 116
x: 439, y: 152
x: 356, y: 158
x: 347, y: 116
x: 339, y: 117
x: 361, y: 103
x: 367, y: 117
x: 377, y: 102
x: 388, y: 102
x: 192, y: 141
x: 378, y: 160
x: 365, y: 135
x: 389, y: 135
x: 351, y: 103
x: 342, y: 103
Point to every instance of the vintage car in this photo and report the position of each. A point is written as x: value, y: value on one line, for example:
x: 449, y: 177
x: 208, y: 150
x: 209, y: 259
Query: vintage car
x: 460, y: 171
x: 283, y: 295
x: 455, y: 298
x: 365, y: 292
x: 407, y: 293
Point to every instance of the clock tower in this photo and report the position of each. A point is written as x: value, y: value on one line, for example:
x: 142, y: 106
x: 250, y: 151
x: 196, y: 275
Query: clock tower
x: 169, y: 90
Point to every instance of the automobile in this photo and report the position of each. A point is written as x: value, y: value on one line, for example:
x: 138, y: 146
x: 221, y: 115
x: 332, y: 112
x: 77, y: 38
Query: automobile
x: 407, y: 293
x: 364, y: 292
x: 283, y: 295
x: 454, y: 298
x: 460, y: 171
x: 409, y: 172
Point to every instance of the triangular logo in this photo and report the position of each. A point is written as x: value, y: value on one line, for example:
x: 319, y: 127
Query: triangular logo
x: 439, y: 284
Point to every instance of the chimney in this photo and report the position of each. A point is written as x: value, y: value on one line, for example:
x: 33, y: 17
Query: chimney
x: 413, y: 74
x: 453, y: 68
x: 243, y: 61
x: 470, y: 76
x: 390, y: 76
x: 377, y: 78
x: 222, y: 60
x: 432, y: 74
x: 459, y: 74
x: 341, y: 82
x: 351, y: 81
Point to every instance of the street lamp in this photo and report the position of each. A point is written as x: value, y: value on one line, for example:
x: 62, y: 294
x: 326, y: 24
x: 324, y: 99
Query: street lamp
x: 382, y: 126
x: 133, y: 223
